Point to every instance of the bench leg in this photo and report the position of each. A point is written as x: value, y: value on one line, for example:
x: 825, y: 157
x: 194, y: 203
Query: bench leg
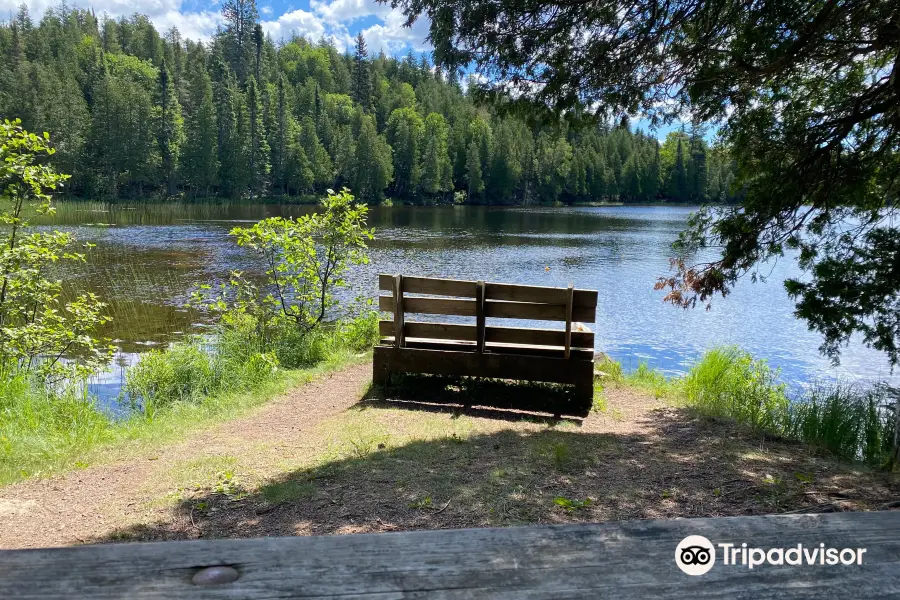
x: 584, y: 394
x: 381, y: 368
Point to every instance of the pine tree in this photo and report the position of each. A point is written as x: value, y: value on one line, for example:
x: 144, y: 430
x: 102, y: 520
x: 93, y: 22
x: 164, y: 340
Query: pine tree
x: 372, y: 169
x: 169, y: 129
x: 258, y: 38
x: 473, y: 170
x: 259, y: 147
x: 679, y: 174
x: 298, y: 172
x: 240, y: 17
x: 437, y: 171
x: 233, y: 174
x: 279, y: 136
x: 697, y: 168
x: 405, y: 130
x: 199, y: 161
x: 362, y: 85
x: 319, y: 161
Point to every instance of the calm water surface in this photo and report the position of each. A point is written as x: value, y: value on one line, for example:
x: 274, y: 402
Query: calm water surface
x: 148, y: 257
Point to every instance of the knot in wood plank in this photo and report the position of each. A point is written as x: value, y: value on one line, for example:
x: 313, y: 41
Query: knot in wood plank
x: 218, y: 575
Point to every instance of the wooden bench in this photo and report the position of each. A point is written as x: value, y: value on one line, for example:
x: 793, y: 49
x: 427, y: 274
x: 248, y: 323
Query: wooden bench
x: 478, y: 350
x: 625, y: 560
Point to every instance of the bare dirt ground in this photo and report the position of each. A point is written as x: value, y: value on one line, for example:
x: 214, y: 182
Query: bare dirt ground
x: 333, y: 456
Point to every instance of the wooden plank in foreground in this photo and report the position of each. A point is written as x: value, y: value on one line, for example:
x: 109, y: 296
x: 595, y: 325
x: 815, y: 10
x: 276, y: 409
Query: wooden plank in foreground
x: 626, y: 561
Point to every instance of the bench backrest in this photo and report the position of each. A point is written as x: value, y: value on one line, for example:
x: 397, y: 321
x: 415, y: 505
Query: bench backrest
x: 484, y: 300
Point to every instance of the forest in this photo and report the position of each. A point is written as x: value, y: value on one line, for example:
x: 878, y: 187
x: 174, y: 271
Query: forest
x: 137, y: 114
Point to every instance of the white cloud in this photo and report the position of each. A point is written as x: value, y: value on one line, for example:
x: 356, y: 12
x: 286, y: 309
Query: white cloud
x: 297, y: 22
x: 341, y: 12
x: 393, y: 37
x: 163, y: 13
x: 325, y: 18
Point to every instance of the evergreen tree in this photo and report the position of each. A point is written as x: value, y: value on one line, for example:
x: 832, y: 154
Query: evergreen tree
x: 169, y: 132
x: 362, y: 85
x: 473, y: 171
x: 372, y: 169
x: 279, y: 136
x: 298, y: 173
x: 199, y: 160
x: 319, y: 161
x: 679, y: 189
x: 405, y: 130
x: 437, y: 171
x: 258, y: 46
x: 233, y: 174
x: 259, y: 146
x: 240, y: 19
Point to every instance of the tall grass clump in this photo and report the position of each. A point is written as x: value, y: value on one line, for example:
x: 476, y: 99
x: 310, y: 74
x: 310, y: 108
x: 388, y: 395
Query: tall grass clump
x: 728, y: 382
x: 238, y: 359
x: 848, y: 421
x: 852, y: 423
x: 41, y: 427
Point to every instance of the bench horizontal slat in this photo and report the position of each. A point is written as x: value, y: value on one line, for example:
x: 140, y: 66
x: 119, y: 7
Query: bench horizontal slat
x: 438, y: 331
x: 538, y: 337
x: 431, y: 306
x: 625, y: 560
x: 505, y: 335
x: 498, y: 309
x: 582, y: 354
x: 493, y: 291
x: 535, y: 293
x: 495, y: 309
x: 489, y: 364
x: 430, y: 285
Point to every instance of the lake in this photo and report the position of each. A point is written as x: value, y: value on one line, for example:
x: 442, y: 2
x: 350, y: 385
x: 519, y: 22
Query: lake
x: 148, y: 257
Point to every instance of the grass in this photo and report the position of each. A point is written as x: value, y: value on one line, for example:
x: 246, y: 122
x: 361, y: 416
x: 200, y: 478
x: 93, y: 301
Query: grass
x: 728, y: 383
x: 174, y: 391
x: 39, y: 427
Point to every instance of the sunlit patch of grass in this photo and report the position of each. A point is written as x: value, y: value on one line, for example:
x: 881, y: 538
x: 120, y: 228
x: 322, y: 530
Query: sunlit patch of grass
x: 201, y: 472
x: 650, y: 380
x: 291, y: 490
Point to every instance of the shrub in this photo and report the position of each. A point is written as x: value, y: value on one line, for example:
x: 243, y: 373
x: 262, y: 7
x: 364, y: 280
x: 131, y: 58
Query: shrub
x: 38, y: 327
x: 361, y: 333
x: 305, y: 260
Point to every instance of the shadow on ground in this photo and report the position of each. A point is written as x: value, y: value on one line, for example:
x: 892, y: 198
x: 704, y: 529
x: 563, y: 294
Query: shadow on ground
x: 669, y: 464
x: 504, y: 400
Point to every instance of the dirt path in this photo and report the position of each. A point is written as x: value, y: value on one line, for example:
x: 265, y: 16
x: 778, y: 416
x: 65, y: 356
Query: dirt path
x: 82, y: 505
x: 326, y: 459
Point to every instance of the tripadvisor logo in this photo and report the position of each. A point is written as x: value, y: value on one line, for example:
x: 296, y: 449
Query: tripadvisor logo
x: 696, y: 555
